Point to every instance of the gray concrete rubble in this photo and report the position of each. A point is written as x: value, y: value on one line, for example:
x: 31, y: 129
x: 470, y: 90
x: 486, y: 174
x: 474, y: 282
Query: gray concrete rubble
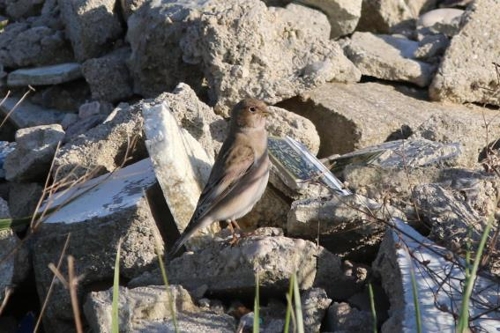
x: 349, y: 117
x: 437, y: 275
x: 103, y: 148
x: 315, y: 303
x: 195, y: 117
x: 342, y: 317
x: 35, y: 149
x: 231, y: 67
x: 90, y: 26
x: 6, y: 148
x: 386, y: 16
x: 37, y: 44
x: 477, y: 82
x: 224, y: 269
x: 93, y: 216
x: 148, y: 309
x: 25, y: 114
x: 357, y: 220
x: 108, y: 76
x: 15, y: 262
x: 458, y: 208
x: 24, y: 198
x: 318, y: 26
x: 157, y: 62
x: 343, y: 15
x: 389, y: 58
x: 47, y: 75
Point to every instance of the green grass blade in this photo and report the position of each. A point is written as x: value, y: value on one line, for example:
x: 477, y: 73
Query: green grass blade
x: 256, y: 318
x: 372, y: 307
x: 463, y: 322
x: 165, y: 282
x: 15, y: 224
x: 414, y: 290
x: 289, y: 297
x: 115, y: 321
x: 298, y: 305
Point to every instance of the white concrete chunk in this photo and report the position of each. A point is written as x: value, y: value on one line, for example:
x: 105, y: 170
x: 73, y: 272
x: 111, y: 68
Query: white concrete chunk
x: 439, y: 281
x: 103, y: 195
x: 181, y: 165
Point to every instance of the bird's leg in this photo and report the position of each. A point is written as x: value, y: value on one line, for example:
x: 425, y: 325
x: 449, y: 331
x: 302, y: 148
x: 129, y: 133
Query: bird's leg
x: 235, y: 228
x: 241, y: 232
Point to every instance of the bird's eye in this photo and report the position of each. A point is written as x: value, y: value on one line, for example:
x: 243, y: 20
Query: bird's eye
x: 252, y: 109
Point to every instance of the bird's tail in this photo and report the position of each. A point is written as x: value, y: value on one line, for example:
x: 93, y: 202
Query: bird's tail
x: 180, y: 242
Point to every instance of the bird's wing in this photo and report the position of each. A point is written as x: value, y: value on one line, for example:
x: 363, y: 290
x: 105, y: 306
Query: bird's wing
x: 235, y: 162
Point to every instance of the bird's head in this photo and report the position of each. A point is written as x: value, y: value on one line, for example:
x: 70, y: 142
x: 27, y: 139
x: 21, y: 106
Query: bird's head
x: 250, y: 113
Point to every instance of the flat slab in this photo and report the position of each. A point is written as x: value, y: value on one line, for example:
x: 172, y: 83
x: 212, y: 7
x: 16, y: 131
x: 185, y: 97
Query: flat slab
x: 353, y: 116
x: 103, y: 195
x: 439, y: 278
x: 29, y: 115
x: 47, y: 75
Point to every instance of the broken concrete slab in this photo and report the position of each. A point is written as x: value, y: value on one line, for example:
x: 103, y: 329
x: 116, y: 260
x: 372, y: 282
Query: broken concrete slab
x: 25, y: 114
x: 457, y: 208
x: 388, y: 57
x: 354, y: 219
x: 408, y: 259
x: 268, y: 48
x: 156, y: 63
x: 353, y: 116
x: 47, y: 75
x: 108, y: 76
x: 95, y: 215
x: 181, y: 165
x: 92, y: 27
x: 465, y: 126
x: 389, y: 16
x: 343, y: 15
x: 225, y: 269
x: 35, y: 149
x: 103, y: 148
x: 316, y: 25
x: 478, y: 81
x: 196, y: 117
x: 147, y: 309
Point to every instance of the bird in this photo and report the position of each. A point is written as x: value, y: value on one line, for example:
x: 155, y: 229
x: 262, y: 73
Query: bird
x: 239, y: 175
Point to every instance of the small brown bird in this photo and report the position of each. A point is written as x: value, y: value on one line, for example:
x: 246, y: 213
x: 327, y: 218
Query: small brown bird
x: 240, y: 173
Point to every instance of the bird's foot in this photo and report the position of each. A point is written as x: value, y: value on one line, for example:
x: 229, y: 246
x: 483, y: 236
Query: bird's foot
x: 236, y: 232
